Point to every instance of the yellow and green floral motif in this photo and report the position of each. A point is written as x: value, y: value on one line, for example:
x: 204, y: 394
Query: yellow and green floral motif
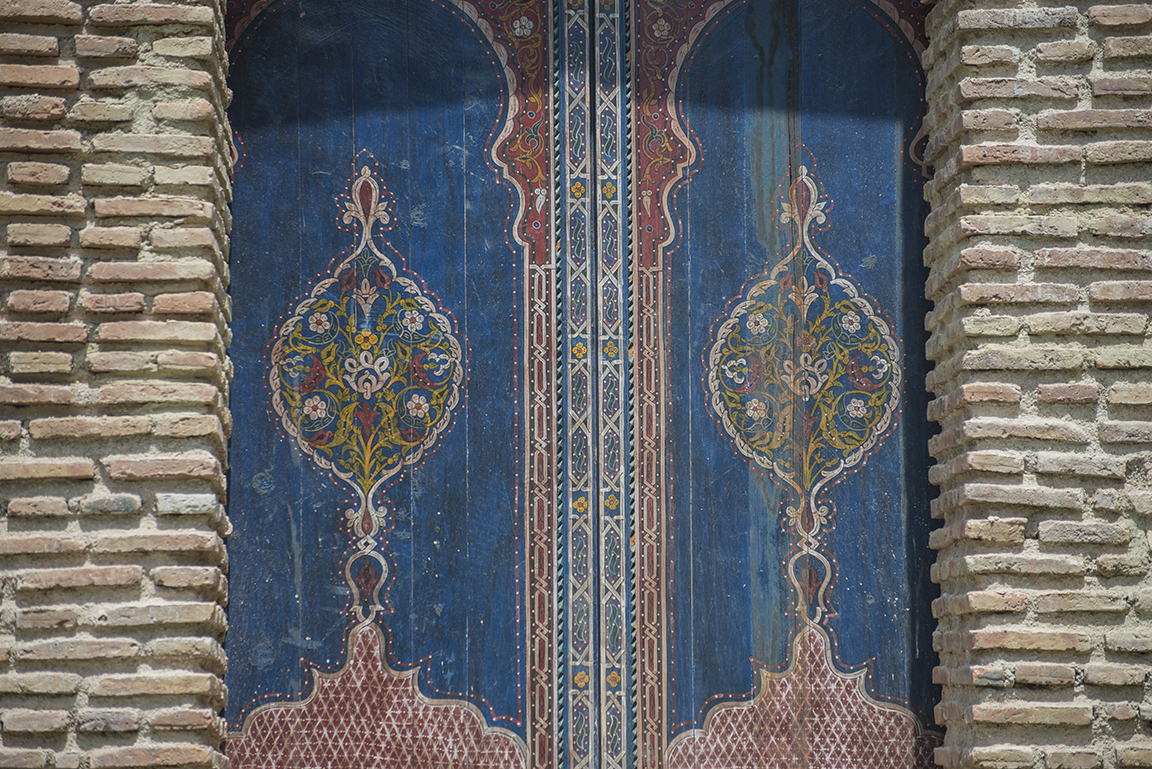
x: 368, y: 369
x: 804, y: 373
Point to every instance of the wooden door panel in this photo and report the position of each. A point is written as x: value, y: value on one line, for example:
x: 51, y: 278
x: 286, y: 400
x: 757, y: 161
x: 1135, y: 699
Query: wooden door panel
x: 395, y: 455
x: 779, y: 270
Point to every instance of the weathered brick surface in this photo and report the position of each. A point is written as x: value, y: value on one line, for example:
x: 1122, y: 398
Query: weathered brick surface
x: 1041, y: 140
x: 113, y: 399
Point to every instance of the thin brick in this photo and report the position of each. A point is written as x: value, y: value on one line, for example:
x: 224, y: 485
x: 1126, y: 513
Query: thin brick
x: 50, y: 205
x: 1094, y: 258
x: 151, y: 207
x: 23, y: 234
x: 121, y: 15
x: 139, y: 76
x: 1025, y: 154
x: 191, y: 542
x: 67, y: 333
x: 108, y: 720
x: 110, y: 237
x: 113, y: 175
x: 35, y: 395
x: 36, y: 545
x: 140, y: 392
x: 34, y: 469
x: 1133, y: 85
x: 158, y: 684
x: 37, y: 174
x: 1065, y: 51
x: 160, y: 467
x: 80, y: 577
x: 156, y: 144
x: 1119, y: 15
x: 154, y: 755
x: 110, y: 504
x: 1067, y: 393
x: 1038, y: 714
x: 180, y: 331
x: 40, y: 301
x: 29, y: 45
x: 192, y: 110
x: 971, y: 89
x: 1131, y: 393
x: 39, y: 683
x: 191, y: 303
x: 43, y: 362
x: 34, y: 721
x: 39, y: 76
x: 131, y: 302
x: 105, y: 47
x: 185, y: 47
x: 48, y: 11
x: 1045, y: 674
x: 93, y: 111
x: 1073, y: 532
x: 33, y: 108
x: 55, y: 428
x: 153, y: 272
x: 38, y: 507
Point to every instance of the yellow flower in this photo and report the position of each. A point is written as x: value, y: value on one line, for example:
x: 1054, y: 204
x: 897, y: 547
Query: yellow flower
x: 581, y: 679
x: 366, y: 339
x: 577, y: 190
x: 609, y: 189
x: 611, y: 350
x: 613, y: 678
x: 579, y: 351
x: 581, y: 505
x: 612, y: 501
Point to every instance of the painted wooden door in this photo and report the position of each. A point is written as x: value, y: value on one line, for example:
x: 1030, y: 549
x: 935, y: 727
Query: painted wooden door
x: 578, y: 385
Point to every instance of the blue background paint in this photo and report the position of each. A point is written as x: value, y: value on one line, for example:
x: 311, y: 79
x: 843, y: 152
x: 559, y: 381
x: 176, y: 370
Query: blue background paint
x: 411, y: 83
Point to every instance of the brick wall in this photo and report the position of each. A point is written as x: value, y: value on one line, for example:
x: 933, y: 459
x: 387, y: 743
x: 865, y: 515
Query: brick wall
x: 113, y: 383
x: 1041, y: 279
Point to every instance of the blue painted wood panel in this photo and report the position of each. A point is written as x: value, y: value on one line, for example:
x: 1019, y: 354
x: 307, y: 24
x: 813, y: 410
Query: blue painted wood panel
x: 834, y: 79
x: 320, y: 81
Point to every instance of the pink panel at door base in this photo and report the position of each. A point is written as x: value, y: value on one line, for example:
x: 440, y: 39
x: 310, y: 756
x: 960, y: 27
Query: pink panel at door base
x: 808, y: 715
x: 367, y: 715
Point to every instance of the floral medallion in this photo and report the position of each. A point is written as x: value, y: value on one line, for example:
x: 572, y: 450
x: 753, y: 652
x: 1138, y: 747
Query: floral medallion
x: 366, y: 373
x: 804, y: 375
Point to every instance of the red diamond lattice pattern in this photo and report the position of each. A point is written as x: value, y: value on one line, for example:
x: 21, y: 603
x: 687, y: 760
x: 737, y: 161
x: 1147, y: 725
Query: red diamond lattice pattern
x: 811, y: 715
x: 368, y: 715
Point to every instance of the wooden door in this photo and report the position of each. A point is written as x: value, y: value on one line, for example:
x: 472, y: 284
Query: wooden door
x: 578, y: 388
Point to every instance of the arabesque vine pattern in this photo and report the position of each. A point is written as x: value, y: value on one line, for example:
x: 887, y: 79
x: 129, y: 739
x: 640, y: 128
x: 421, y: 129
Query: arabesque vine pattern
x: 805, y: 378
x: 365, y: 375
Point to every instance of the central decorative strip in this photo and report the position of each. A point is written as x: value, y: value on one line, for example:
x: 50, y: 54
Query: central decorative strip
x: 580, y: 426
x: 613, y: 336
